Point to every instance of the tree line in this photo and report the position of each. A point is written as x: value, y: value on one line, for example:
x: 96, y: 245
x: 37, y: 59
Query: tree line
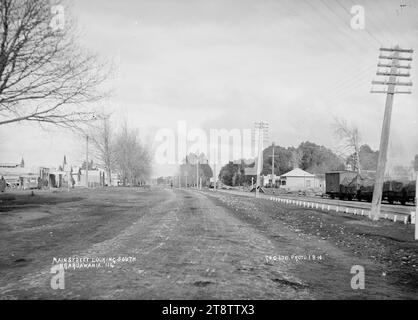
x: 307, y: 156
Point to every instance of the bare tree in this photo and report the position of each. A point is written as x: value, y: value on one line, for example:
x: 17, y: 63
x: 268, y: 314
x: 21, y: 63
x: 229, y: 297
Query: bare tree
x: 101, y: 136
x: 133, y: 159
x: 350, y: 140
x: 44, y: 76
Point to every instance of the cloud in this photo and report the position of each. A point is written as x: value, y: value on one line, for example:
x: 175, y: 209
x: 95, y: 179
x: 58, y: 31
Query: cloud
x: 226, y: 64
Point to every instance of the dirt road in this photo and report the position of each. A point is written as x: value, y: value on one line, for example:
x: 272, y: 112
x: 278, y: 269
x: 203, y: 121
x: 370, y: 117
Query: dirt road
x: 178, y: 244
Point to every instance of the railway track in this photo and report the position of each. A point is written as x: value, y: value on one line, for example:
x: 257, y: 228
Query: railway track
x: 387, y: 211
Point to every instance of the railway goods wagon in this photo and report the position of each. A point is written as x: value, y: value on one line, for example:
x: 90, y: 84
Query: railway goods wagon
x: 365, y: 190
x: 341, y: 184
x: 392, y: 191
x: 409, y: 192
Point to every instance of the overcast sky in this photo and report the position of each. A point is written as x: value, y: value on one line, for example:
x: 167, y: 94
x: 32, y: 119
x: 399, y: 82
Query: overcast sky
x: 228, y: 63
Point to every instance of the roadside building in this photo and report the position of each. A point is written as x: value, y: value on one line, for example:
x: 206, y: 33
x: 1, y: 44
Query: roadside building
x: 96, y: 178
x: 20, y: 177
x: 58, y: 178
x: 320, y: 182
x: 12, y: 175
x: 61, y: 177
x: 270, y: 181
x: 297, y: 179
x: 13, y: 165
x: 9, y: 165
x: 114, y: 181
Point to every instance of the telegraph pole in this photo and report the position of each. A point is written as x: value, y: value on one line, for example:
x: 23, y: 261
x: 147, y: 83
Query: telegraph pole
x: 197, y: 173
x: 262, y: 128
x: 394, y: 55
x: 214, y: 176
x: 416, y: 204
x: 272, y: 166
x: 87, y: 161
x: 416, y: 196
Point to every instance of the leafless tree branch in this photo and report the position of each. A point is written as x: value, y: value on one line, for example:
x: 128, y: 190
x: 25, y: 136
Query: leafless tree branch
x: 44, y: 76
x: 350, y: 140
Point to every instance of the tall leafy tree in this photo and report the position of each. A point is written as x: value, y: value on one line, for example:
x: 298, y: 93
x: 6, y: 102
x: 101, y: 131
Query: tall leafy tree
x: 368, y: 158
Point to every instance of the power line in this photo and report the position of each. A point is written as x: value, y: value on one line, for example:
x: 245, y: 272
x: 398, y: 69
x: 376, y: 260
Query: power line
x: 387, y: 28
x: 325, y: 17
x: 324, y: 36
x: 367, y: 31
x: 396, y: 61
x: 367, y: 21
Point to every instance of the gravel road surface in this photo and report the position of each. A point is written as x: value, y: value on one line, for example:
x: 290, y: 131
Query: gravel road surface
x: 186, y: 244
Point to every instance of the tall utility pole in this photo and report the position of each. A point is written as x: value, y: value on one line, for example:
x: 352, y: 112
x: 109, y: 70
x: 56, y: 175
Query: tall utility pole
x: 197, y: 173
x: 214, y: 176
x: 273, y: 180
x: 262, y: 129
x: 272, y: 166
x: 393, y: 73
x: 416, y: 196
x: 87, y: 161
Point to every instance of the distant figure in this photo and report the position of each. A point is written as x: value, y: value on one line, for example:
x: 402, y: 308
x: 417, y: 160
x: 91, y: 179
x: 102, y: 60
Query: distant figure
x: 2, y: 184
x: 171, y: 184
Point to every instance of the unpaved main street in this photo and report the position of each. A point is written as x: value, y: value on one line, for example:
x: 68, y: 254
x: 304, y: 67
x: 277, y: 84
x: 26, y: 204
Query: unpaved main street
x: 187, y: 244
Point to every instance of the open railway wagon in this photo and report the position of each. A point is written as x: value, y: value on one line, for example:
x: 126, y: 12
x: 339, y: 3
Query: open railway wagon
x: 349, y: 185
x: 393, y: 191
x: 409, y: 192
x: 365, y: 188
